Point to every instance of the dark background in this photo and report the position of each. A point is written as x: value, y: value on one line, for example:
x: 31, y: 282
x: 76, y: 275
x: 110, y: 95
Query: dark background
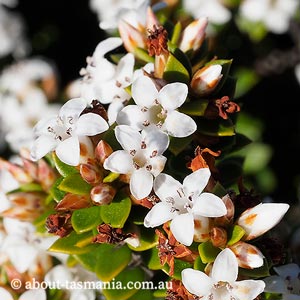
x: 68, y: 31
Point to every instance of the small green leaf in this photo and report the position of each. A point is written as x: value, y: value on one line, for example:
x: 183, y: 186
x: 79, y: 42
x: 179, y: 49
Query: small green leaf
x: 74, y: 184
x: 63, y: 169
x: 143, y: 55
x: 235, y: 234
x: 89, y: 259
x: 216, y: 127
x: 194, y: 108
x: 69, y: 244
x: 176, y: 33
x: 153, y: 261
x: 124, y: 284
x: 117, y: 212
x: 86, y: 219
x: 111, y: 177
x: 175, y: 71
x: 148, y: 239
x: 199, y: 265
x: 56, y: 193
x: 208, y: 252
x: 30, y: 187
x: 111, y: 260
x: 179, y: 266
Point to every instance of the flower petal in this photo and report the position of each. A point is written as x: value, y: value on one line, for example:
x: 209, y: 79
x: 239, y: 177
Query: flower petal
x: 155, y: 140
x: 141, y: 183
x: 82, y: 294
x: 196, y: 282
x: 225, y: 260
x: 73, y: 108
x: 90, y: 124
x: 261, y: 218
x: 42, y: 146
x: 194, y: 183
x: 144, y: 91
x: 157, y: 163
x: 158, y: 215
x: 248, y: 256
x: 247, y: 289
x: 68, y: 151
x: 125, y: 117
x: 292, y: 270
x: 172, y: 95
x: 209, y: 205
x: 34, y: 294
x: 166, y: 186
x: 105, y: 46
x: 129, y: 138
x: 119, y: 162
x: 124, y: 71
x: 5, y: 295
x: 113, y: 110
x: 182, y: 227
x: 179, y: 125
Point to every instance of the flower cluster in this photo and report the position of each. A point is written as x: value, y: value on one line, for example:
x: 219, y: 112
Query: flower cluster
x: 129, y: 176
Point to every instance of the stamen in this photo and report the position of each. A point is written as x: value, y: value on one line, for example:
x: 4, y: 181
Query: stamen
x: 118, y: 84
x: 170, y: 200
x: 132, y: 152
x: 149, y: 168
x: 154, y: 153
x: 146, y: 123
x: 144, y: 109
x: 180, y: 193
x: 143, y: 145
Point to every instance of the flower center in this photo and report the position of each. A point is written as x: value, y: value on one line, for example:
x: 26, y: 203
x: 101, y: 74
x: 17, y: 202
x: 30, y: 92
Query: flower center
x: 62, y: 129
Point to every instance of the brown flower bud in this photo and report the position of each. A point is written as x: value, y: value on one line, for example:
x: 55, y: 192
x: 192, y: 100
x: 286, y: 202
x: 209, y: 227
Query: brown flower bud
x: 103, y: 194
x: 90, y: 173
x: 218, y: 236
x: 102, y: 151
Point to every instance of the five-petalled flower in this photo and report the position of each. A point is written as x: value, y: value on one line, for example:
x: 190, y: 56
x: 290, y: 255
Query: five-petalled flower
x: 63, y: 133
x: 158, y: 108
x: 183, y: 204
x: 221, y: 284
x: 141, y: 158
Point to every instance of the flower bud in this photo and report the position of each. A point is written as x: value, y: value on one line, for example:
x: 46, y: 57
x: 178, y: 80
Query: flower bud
x: 206, y: 79
x: 103, y: 194
x: 131, y: 37
x: 90, y: 174
x: 103, y: 151
x: 218, y: 236
x: 193, y: 35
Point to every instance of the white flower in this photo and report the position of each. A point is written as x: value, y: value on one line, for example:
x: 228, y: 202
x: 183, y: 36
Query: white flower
x: 261, y: 218
x: 216, y: 12
x: 158, y: 108
x: 62, y: 133
x: 23, y: 248
x: 106, y: 81
x: 286, y: 283
x: 141, y: 158
x: 221, y: 284
x: 183, y: 203
x: 275, y: 15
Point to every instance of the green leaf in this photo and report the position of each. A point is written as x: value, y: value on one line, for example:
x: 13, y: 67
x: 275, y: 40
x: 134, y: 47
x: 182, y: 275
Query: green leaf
x: 148, y: 239
x: 175, y: 71
x: 176, y: 33
x: 153, y: 261
x: 56, y: 193
x: 219, y: 127
x: 208, y: 252
x: 74, y: 184
x: 199, y: 265
x: 219, y: 190
x: 111, y: 177
x: 179, y: 266
x: 235, y: 234
x: 142, y: 295
x: 121, y: 288
x: 89, y: 259
x: 86, y: 219
x: 111, y: 260
x: 247, y: 79
x: 70, y: 244
x: 117, y: 212
x: 30, y: 187
x: 143, y: 55
x: 177, y: 145
x: 194, y: 108
x: 63, y: 169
